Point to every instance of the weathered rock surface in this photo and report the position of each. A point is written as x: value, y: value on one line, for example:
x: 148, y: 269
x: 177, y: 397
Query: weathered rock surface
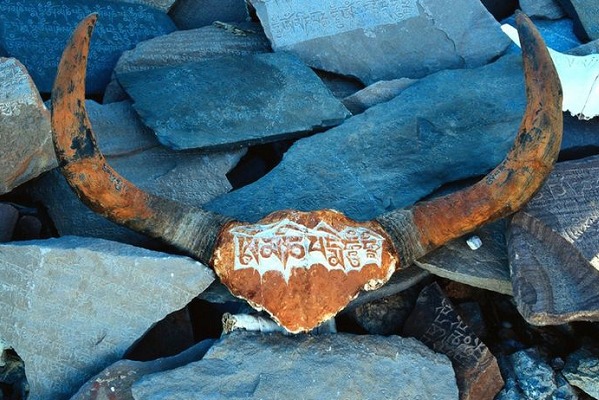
x: 190, y: 14
x: 8, y: 219
x: 376, y: 93
x: 115, y: 381
x: 253, y: 366
x: 25, y: 132
x: 36, y: 32
x: 397, y: 152
x: 581, y: 138
x: 486, y: 267
x: 72, y: 306
x: 132, y: 149
x: 586, y: 18
x: 582, y: 370
x: 550, y: 9
x: 435, y: 322
x: 553, y: 246
x: 229, y: 102
x: 557, y: 34
x: 383, y: 40
x: 163, y: 5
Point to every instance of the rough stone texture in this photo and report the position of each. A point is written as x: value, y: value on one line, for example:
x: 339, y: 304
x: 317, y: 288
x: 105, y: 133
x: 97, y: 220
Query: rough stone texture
x: 8, y: 219
x: 376, y: 93
x: 582, y: 370
x: 232, y: 101
x: 586, y: 18
x: 580, y: 137
x: 397, y: 152
x: 163, y: 5
x: 557, y: 34
x: 25, y: 132
x: 190, y: 14
x: 383, y: 40
x: 553, y: 247
x: 486, y: 267
x: 550, y: 9
x: 132, y: 149
x: 182, y: 47
x: 36, y: 32
x: 341, y: 366
x: 435, y: 322
x: 72, y: 306
x: 115, y: 381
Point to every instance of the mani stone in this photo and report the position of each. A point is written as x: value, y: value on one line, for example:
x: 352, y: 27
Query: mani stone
x: 435, y: 322
x: 72, y: 306
x: 397, y: 152
x: 131, y: 148
x: 232, y: 101
x: 486, y: 267
x: 25, y: 131
x: 549, y: 9
x: 36, y: 32
x: 191, y: 14
x: 163, y: 5
x: 376, y: 40
x: 245, y: 365
x: 553, y: 246
x: 586, y: 18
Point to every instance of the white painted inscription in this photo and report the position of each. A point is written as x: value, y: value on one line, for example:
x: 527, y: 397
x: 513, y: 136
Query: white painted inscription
x: 293, y: 21
x: 285, y: 245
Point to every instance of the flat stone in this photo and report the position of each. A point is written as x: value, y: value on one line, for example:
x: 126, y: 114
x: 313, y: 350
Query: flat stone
x: 25, y: 131
x: 115, y: 381
x: 190, y: 177
x: 487, y: 267
x: 553, y: 246
x: 557, y: 34
x: 36, y: 32
x: 382, y: 40
x: 580, y: 137
x: 397, y: 152
x: 113, y: 293
x: 549, y: 9
x: 582, y: 370
x: 163, y: 5
x: 435, y: 322
x: 232, y: 101
x: 376, y: 93
x: 8, y: 220
x: 190, y: 14
x: 586, y: 18
x: 337, y: 366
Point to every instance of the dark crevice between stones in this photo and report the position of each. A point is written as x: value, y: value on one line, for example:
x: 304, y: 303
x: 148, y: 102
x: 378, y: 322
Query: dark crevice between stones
x: 13, y: 380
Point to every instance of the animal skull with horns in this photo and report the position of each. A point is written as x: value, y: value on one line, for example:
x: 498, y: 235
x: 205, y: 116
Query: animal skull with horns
x: 304, y: 267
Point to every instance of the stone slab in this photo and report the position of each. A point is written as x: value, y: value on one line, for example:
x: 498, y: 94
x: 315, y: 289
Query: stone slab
x: 550, y: 9
x: 338, y: 366
x: 36, y: 32
x: 435, y: 322
x: 397, y: 152
x: 132, y: 149
x: 486, y: 267
x: 582, y: 370
x: 229, y: 102
x: 586, y: 18
x: 383, y: 39
x: 162, y: 5
x: 191, y: 14
x: 553, y: 246
x: 376, y: 93
x: 25, y: 131
x: 72, y: 306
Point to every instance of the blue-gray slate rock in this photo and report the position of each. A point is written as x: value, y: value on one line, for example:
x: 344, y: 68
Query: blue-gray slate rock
x: 586, y: 18
x: 549, y: 9
x: 340, y: 366
x: 383, y: 39
x: 191, y: 14
x: 582, y: 371
x: 36, y: 32
x: 557, y: 34
x: 232, y: 101
x: 397, y: 152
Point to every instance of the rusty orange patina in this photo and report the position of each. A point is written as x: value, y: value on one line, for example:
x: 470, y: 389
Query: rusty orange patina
x: 303, y: 268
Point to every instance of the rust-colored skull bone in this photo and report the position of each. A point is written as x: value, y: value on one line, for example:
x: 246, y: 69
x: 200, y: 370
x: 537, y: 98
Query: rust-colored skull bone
x: 304, y: 267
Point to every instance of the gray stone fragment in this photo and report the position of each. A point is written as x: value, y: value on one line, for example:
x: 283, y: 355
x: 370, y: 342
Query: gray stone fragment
x: 232, y: 101
x: 376, y: 93
x: 582, y: 371
x: 486, y: 267
x: 8, y: 219
x: 163, y: 5
x: 339, y: 366
x: 553, y: 246
x: 190, y: 14
x: 131, y: 148
x: 72, y: 306
x: 25, y: 132
x: 586, y: 18
x: 397, y: 152
x: 550, y: 9
x: 383, y: 40
x: 35, y: 32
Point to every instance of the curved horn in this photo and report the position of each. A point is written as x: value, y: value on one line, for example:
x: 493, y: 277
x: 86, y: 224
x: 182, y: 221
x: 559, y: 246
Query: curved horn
x: 428, y: 225
x: 99, y: 186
